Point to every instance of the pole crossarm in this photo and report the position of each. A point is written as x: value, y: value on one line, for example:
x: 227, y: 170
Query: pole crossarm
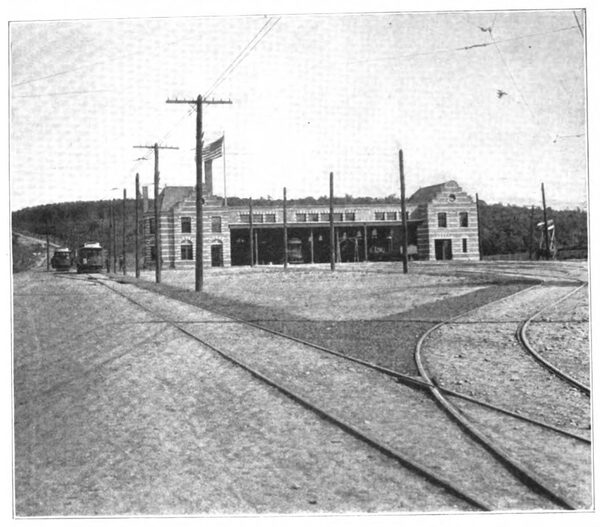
x: 154, y: 146
x: 198, y: 102
x: 204, y: 101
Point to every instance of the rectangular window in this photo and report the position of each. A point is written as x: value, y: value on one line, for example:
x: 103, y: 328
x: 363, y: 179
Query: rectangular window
x: 187, y: 251
x: 215, y: 224
x: 325, y: 216
x: 350, y: 216
x: 151, y: 225
x: 464, y: 242
x: 379, y: 216
x: 391, y: 216
x: 245, y: 218
x: 338, y: 216
x: 313, y: 216
x: 257, y: 218
x: 442, y: 219
x: 463, y: 219
x: 300, y: 216
x: 186, y: 225
x: 270, y: 218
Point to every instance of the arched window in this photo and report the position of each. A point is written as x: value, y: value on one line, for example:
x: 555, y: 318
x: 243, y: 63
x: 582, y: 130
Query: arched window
x: 187, y: 250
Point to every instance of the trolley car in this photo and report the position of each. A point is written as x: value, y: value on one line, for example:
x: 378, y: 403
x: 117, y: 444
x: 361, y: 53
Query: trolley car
x: 61, y: 260
x: 89, y: 258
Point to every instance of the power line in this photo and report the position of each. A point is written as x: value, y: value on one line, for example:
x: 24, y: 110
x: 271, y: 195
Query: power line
x: 231, y: 64
x: 56, y: 94
x: 241, y: 56
x: 464, y: 48
x: 94, y: 64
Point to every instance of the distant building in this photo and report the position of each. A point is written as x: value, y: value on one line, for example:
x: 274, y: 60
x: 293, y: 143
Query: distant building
x: 442, y: 225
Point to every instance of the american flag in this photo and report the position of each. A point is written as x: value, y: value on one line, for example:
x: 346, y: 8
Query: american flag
x: 213, y: 150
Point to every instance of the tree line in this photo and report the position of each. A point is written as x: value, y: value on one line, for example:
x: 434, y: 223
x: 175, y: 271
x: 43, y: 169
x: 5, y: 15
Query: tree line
x: 505, y: 229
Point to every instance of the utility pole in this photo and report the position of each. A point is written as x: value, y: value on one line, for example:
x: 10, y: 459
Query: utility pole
x: 546, y: 241
x: 404, y: 216
x: 124, y: 230
x: 531, y: 234
x: 47, y: 247
x: 331, y: 227
x: 478, y: 226
x: 114, y: 236
x: 137, y: 225
x: 199, y: 221
x: 110, y: 222
x: 285, y: 233
x: 251, y: 229
x: 157, y: 251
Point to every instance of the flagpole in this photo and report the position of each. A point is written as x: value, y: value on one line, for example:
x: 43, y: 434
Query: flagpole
x: 224, y: 173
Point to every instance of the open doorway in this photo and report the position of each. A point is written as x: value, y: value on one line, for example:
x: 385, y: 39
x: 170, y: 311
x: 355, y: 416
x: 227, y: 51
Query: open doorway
x: 443, y: 249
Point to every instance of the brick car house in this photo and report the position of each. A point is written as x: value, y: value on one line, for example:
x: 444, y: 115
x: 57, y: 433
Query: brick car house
x: 442, y: 225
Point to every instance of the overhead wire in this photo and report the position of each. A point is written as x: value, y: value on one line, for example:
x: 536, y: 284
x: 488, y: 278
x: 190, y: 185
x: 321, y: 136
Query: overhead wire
x: 238, y: 56
x: 244, y: 54
x: 246, y: 50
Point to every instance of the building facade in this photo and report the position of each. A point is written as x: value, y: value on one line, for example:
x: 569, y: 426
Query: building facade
x: 442, y: 225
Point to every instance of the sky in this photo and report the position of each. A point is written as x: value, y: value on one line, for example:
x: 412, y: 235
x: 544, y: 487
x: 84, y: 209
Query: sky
x: 495, y: 100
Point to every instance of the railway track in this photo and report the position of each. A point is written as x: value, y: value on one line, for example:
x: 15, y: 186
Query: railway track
x: 527, y: 345
x: 485, y: 429
x: 537, y: 495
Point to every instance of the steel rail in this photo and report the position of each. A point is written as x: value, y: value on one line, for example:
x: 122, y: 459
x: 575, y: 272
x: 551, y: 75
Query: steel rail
x: 518, y: 468
x: 521, y: 335
x: 382, y: 447
x: 407, y: 380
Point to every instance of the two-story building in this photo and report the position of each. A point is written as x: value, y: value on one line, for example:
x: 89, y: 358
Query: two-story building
x: 442, y: 225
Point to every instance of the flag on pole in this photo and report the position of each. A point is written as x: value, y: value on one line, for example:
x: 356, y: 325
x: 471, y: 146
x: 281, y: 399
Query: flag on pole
x: 213, y: 150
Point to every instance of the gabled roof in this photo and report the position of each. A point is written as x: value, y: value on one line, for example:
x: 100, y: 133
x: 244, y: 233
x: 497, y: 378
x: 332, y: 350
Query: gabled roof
x: 170, y: 196
x: 427, y: 194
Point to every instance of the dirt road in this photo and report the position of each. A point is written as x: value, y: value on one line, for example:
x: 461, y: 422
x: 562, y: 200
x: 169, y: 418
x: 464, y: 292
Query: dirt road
x: 118, y: 414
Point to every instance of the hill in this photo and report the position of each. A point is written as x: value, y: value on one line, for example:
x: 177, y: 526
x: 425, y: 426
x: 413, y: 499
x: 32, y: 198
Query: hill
x: 505, y: 229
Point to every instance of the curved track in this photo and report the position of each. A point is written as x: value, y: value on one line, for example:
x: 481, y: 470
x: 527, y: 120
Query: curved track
x: 522, y: 473
x: 493, y: 446
x: 522, y: 337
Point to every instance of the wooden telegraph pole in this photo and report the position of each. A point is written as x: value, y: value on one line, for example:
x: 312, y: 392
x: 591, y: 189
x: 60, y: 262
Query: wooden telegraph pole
x: 110, y: 235
x: 199, y: 223
x: 251, y: 230
x: 157, y: 251
x: 137, y: 225
x: 47, y: 247
x: 404, y: 216
x: 546, y: 241
x: 285, y: 233
x: 114, y: 237
x: 531, y: 234
x: 331, y: 227
x: 124, y: 230
x: 478, y: 226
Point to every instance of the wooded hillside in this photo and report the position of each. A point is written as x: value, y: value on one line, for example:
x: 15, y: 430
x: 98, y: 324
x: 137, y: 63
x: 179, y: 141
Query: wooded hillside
x: 505, y: 229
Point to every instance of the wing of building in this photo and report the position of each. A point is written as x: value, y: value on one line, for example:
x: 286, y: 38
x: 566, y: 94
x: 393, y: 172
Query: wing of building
x: 442, y: 225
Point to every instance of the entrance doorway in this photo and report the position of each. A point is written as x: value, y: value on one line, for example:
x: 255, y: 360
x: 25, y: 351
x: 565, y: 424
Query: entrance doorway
x: 216, y: 255
x: 443, y: 249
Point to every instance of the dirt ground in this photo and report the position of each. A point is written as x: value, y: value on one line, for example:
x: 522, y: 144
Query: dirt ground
x: 117, y: 414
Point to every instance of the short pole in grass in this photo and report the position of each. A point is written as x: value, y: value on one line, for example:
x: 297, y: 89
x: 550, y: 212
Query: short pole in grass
x: 331, y: 227
x: 285, y: 233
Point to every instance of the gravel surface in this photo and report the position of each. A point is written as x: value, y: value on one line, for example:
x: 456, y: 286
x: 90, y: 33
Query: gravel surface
x: 384, y: 336
x: 486, y: 361
x: 560, y: 334
x: 400, y: 416
x: 126, y: 416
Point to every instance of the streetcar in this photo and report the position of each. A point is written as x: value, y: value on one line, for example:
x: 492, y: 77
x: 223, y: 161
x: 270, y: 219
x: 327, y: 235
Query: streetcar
x: 61, y: 259
x: 89, y: 258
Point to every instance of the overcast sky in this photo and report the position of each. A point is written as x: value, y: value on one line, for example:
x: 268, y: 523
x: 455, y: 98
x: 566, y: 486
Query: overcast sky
x: 493, y: 100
